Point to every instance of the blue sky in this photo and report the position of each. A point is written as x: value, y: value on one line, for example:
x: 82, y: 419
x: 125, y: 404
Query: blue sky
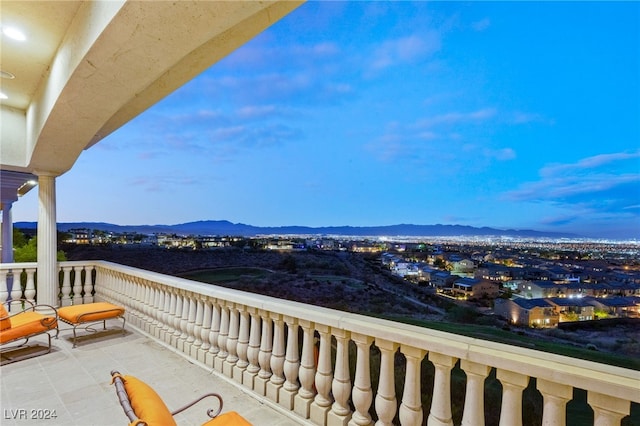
x: 502, y: 114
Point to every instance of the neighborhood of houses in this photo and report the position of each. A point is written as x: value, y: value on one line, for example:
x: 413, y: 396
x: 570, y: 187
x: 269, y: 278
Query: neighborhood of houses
x: 519, y: 283
x: 529, y: 291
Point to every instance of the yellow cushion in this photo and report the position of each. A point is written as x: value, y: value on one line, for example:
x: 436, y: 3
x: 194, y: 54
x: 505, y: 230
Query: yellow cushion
x: 90, y: 312
x: 147, y: 404
x: 27, y: 323
x: 5, y: 322
x: 230, y: 418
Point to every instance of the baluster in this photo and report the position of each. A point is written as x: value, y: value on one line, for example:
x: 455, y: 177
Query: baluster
x: 608, y: 410
x: 159, y: 312
x: 77, y: 286
x: 176, y: 321
x: 232, y: 342
x: 139, y: 302
x: 277, y: 358
x: 171, y: 317
x: 165, y: 316
x: 154, y: 301
x: 340, y: 413
x: 147, y: 294
x: 222, y: 338
x: 213, y: 335
x: 304, y: 397
x: 440, y: 414
x: 13, y: 278
x: 243, y: 343
x: 386, y: 402
x: 512, y: 386
x: 264, y: 358
x: 411, y: 407
x: 184, y: 321
x: 474, y: 397
x: 65, y: 299
x: 205, y: 331
x: 30, y: 289
x: 253, y: 350
x: 291, y: 365
x: 4, y: 291
x: 362, y: 395
x: 324, y: 375
x: 88, y: 287
x: 191, y: 323
x: 197, y: 327
x: 555, y: 397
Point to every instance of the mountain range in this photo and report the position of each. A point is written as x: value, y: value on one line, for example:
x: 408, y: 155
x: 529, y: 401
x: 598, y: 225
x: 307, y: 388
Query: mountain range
x: 224, y: 227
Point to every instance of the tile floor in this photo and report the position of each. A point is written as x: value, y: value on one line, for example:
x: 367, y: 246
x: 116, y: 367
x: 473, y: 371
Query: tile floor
x: 75, y: 383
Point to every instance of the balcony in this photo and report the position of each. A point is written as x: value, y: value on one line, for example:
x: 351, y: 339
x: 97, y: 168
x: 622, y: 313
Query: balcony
x: 282, y: 362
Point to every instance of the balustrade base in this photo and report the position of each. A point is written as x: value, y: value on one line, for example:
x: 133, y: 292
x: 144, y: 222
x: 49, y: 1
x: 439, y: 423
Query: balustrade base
x: 260, y: 385
x: 302, y: 406
x: 210, y: 359
x: 318, y: 414
x: 334, y: 419
x: 227, y: 369
x: 238, y: 373
x: 273, y: 391
x: 218, y: 364
x: 248, y: 379
x: 286, y: 398
x: 201, y: 355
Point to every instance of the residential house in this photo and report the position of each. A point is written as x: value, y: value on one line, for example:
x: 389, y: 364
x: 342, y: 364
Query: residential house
x: 527, y: 312
x: 471, y: 288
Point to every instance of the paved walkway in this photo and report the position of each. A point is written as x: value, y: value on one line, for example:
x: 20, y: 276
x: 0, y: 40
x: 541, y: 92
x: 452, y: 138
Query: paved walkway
x: 74, y: 384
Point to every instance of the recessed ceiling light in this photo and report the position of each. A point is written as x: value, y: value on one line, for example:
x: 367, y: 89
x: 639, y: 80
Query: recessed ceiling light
x: 14, y: 33
x: 3, y: 96
x: 6, y: 74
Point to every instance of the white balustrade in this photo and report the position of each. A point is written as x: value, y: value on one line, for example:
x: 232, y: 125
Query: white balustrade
x: 256, y: 340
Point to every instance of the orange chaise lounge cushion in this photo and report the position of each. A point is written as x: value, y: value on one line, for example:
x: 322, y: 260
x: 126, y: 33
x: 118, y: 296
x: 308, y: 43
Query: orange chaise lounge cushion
x: 152, y: 410
x: 25, y: 324
x: 146, y: 403
x: 90, y: 312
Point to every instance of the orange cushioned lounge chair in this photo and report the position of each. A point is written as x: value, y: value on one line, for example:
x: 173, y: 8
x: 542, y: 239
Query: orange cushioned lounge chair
x: 24, y: 322
x: 143, y: 406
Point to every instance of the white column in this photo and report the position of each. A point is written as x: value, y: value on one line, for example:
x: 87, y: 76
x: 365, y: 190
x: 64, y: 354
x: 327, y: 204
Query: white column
x: 291, y: 365
x: 607, y: 410
x: 512, y: 386
x: 474, y: 397
x: 340, y: 413
x: 362, y: 395
x: 277, y: 358
x: 47, y: 285
x: 232, y: 341
x: 305, y: 395
x: 253, y: 350
x: 324, y: 375
x: 555, y: 397
x: 7, y: 233
x: 243, y: 346
x: 440, y: 413
x: 386, y: 402
x: 264, y: 357
x: 411, y: 407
